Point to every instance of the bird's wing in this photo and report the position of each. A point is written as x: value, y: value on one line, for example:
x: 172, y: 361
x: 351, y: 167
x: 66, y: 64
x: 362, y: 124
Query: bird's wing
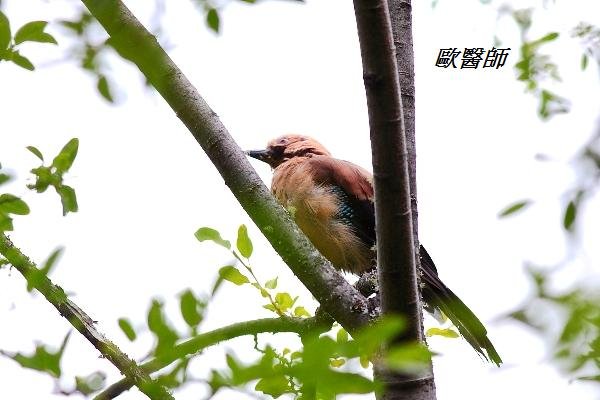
x: 354, y: 187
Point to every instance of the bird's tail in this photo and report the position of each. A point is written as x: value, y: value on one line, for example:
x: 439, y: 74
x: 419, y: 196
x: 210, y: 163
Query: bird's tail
x: 437, y: 295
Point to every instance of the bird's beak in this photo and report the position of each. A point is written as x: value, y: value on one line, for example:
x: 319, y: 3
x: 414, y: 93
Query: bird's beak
x: 262, y: 155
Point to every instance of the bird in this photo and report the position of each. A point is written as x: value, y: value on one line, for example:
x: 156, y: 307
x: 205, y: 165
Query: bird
x: 332, y: 202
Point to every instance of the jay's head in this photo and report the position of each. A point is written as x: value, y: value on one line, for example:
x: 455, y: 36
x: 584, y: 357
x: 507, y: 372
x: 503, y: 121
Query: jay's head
x: 286, y: 147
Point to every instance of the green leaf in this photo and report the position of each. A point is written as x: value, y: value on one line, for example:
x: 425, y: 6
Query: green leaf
x: 34, y: 279
x: 43, y: 360
x: 574, y: 325
x: 21, y: 61
x: 4, y: 178
x: 263, y: 292
x: 595, y: 378
x: 551, y: 104
x: 159, y: 326
x: 87, y: 385
x: 63, y: 161
x: 301, y: 312
x: 408, y: 358
x: 43, y: 178
x: 284, y: 301
x: 371, y: 337
x: 444, y: 332
x: 127, y: 329
x: 212, y: 19
x: 206, y: 233
x: 364, y: 361
x: 342, y: 336
x: 34, y: 32
x: 584, y: 61
x: 231, y: 274
x: 271, y: 284
x: 343, y: 382
x: 5, y: 222
x: 4, y: 33
x: 546, y: 38
x: 80, y: 24
x: 192, y: 309
x: 67, y: 198
x: 523, y: 18
x: 216, y: 286
x: 271, y: 307
x: 11, y: 204
x: 90, y: 58
x: 570, y: 215
x: 244, y: 244
x: 513, y: 208
x: 35, y: 151
x: 104, y: 88
x: 273, y: 385
x: 337, y: 362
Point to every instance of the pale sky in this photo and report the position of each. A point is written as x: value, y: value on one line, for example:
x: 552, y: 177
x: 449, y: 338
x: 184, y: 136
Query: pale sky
x: 144, y: 186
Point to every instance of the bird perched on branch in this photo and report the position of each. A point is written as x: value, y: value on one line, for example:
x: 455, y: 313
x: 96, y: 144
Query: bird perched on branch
x: 331, y: 200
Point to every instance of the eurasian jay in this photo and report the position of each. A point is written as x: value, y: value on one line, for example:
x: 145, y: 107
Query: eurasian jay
x: 331, y: 200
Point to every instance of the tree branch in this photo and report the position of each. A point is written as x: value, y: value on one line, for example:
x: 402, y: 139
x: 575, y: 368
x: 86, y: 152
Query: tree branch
x: 396, y: 257
x: 318, y: 324
x: 135, y: 43
x: 81, y: 321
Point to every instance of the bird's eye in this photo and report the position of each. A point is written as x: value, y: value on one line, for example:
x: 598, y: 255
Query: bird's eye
x: 282, y: 141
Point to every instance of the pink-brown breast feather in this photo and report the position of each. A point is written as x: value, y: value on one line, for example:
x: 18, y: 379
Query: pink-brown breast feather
x: 304, y: 185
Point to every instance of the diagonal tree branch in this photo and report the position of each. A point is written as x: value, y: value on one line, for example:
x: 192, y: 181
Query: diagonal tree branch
x: 129, y: 37
x: 81, y: 321
x: 314, y: 325
x: 396, y: 257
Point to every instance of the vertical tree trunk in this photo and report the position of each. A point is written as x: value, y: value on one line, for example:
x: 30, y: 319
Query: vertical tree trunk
x: 401, y: 20
x: 397, y: 244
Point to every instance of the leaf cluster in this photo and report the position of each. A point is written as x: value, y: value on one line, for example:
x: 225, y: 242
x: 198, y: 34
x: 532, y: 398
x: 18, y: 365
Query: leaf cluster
x: 534, y: 68
x: 314, y: 371
x: 576, y: 346
x: 590, y: 38
x: 52, y: 175
x: 89, y: 51
x: 280, y: 303
x: 10, y: 46
x: 48, y: 361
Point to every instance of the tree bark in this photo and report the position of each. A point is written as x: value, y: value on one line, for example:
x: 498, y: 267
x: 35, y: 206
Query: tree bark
x: 396, y: 236
x: 401, y: 19
x: 133, y: 42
